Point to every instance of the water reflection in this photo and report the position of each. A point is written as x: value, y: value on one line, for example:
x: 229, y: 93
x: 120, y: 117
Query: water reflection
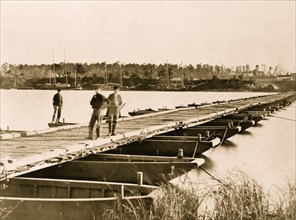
x: 228, y: 144
x: 208, y: 162
x: 245, y: 132
x: 258, y: 125
x: 41, y: 100
x: 265, y: 119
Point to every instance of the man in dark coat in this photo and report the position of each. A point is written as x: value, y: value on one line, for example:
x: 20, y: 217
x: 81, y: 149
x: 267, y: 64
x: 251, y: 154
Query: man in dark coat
x: 57, y: 106
x: 99, y: 103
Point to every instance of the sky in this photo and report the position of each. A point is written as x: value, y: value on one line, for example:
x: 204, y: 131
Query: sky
x: 226, y: 32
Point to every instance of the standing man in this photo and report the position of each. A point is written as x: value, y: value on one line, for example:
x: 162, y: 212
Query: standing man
x: 57, y: 106
x: 99, y: 103
x: 113, y: 110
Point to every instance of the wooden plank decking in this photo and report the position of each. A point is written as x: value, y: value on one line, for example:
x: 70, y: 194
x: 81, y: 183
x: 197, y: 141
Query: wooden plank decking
x: 33, y: 150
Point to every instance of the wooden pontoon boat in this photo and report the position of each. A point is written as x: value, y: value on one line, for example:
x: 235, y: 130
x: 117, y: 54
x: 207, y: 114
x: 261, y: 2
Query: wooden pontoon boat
x: 121, y: 168
x: 141, y: 112
x: 48, y: 199
x: 51, y: 125
x: 238, y: 120
x: 168, y: 146
x: 223, y: 132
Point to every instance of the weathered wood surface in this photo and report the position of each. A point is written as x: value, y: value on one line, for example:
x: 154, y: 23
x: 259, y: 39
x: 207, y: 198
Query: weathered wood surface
x: 28, y: 187
x: 35, y: 150
x: 118, y: 171
x: 47, y: 199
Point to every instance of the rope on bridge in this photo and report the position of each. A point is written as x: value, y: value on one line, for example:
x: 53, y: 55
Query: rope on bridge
x: 283, y: 118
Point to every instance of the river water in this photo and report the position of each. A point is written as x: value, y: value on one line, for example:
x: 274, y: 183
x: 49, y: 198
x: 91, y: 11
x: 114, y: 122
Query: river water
x: 265, y: 151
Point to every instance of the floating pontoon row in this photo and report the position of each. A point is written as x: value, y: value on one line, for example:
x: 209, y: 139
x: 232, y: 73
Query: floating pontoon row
x: 81, y: 184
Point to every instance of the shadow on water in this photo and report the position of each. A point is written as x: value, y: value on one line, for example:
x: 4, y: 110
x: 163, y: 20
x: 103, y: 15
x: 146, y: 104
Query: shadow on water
x: 228, y: 144
x: 258, y: 125
x: 208, y: 162
x: 245, y: 132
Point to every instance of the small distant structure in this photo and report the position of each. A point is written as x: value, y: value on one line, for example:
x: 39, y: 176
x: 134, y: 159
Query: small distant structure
x: 176, y: 79
x: 287, y: 77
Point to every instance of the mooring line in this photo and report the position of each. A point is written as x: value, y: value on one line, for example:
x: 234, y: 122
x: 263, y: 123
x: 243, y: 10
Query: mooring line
x: 283, y: 118
x: 195, y: 149
x: 212, y: 176
x: 290, y: 106
x: 223, y: 138
x: 211, y: 135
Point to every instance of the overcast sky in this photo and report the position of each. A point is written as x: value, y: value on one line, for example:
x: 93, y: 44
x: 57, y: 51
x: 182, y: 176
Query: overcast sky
x: 216, y: 32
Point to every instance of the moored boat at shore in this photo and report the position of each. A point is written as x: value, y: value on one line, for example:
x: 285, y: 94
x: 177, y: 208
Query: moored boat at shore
x: 141, y: 112
x: 169, y: 146
x: 51, y: 125
x: 46, y: 199
x: 120, y: 168
x: 223, y: 132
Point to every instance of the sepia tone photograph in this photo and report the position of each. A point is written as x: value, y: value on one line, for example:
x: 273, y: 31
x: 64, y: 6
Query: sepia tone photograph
x: 129, y: 109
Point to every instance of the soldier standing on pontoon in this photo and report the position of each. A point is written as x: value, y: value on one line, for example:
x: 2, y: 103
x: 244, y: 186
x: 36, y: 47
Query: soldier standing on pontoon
x: 113, y: 110
x: 57, y: 106
x: 99, y: 103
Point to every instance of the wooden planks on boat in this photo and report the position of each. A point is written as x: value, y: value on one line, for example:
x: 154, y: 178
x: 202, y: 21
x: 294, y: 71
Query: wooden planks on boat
x: 118, y: 171
x: 223, y: 132
x: 47, y: 199
x: 168, y: 147
x: 131, y: 157
x: 32, y: 187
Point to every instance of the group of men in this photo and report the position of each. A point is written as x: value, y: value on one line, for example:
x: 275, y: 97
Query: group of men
x: 99, y: 104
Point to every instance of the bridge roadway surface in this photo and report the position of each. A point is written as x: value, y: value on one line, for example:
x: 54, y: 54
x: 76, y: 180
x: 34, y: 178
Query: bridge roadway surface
x: 21, y: 153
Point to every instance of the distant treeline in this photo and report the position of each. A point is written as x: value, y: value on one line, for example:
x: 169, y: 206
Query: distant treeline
x: 131, y: 76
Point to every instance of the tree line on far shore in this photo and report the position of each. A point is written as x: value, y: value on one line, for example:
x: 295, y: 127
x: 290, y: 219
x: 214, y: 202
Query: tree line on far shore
x: 134, y: 76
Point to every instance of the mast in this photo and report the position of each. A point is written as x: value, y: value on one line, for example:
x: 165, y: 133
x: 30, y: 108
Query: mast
x: 65, y: 67
x: 120, y: 74
x: 182, y: 74
x: 75, y: 82
x: 15, y: 79
x: 167, y: 71
x: 106, y: 74
x: 53, y: 68
x: 49, y: 75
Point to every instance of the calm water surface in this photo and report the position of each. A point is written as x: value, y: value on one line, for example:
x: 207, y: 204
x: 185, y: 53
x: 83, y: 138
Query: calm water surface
x: 266, y: 151
x: 32, y: 109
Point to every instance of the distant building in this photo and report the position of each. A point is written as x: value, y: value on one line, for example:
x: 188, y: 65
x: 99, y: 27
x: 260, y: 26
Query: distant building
x: 284, y: 78
x: 176, y: 79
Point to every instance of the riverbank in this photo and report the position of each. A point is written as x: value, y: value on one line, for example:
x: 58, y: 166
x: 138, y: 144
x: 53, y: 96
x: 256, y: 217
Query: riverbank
x: 236, y: 196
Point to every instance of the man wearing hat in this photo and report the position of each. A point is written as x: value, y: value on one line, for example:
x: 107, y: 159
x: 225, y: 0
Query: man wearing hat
x: 57, y: 106
x: 99, y: 103
x: 113, y: 110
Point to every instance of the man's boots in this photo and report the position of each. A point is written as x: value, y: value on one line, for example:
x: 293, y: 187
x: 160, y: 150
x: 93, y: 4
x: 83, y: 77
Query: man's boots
x: 113, y: 128
x: 53, y: 121
x: 98, y: 131
x: 90, y: 133
x: 110, y: 127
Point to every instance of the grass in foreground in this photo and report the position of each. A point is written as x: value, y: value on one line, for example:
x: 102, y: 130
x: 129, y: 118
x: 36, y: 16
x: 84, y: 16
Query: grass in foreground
x: 234, y: 197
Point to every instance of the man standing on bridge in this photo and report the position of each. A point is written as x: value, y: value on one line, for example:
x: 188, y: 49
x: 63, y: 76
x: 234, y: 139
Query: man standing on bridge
x: 113, y: 110
x: 99, y: 103
x: 57, y: 106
